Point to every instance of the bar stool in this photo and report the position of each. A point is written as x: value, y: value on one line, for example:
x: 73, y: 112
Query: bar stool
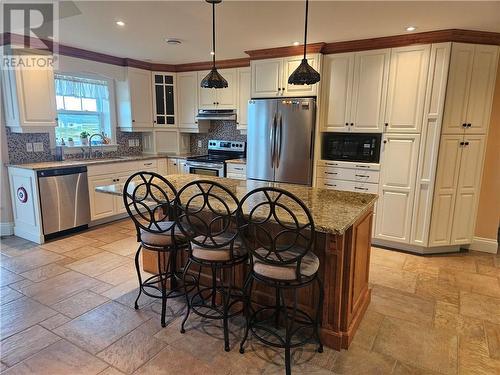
x: 207, y: 217
x: 278, y: 231
x: 148, y: 199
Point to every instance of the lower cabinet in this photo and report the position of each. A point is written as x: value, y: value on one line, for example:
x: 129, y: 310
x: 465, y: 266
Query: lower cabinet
x: 237, y: 171
x: 101, y: 205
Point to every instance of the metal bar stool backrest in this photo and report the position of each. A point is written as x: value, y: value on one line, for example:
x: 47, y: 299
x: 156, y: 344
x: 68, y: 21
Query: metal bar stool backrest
x: 149, y: 200
x: 207, y: 214
x: 277, y: 227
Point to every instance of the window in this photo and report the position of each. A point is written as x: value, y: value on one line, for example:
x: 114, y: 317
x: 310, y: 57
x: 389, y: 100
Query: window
x: 83, y: 104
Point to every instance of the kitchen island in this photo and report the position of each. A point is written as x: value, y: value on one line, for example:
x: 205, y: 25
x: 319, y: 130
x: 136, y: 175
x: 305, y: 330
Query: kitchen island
x: 343, y: 226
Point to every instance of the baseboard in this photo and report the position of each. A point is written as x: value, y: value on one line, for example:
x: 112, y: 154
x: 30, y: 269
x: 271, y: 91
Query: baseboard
x: 415, y: 248
x: 486, y: 245
x: 6, y: 229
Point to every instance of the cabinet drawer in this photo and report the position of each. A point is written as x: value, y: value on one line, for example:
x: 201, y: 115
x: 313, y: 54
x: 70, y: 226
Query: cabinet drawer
x: 236, y: 168
x: 365, y: 187
x: 336, y: 173
x: 334, y: 184
x: 147, y: 165
x: 236, y: 176
x: 361, y: 175
x: 102, y: 169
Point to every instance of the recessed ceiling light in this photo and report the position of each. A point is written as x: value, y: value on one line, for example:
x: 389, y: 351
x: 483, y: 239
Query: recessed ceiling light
x: 411, y: 28
x: 173, y: 41
x: 120, y: 23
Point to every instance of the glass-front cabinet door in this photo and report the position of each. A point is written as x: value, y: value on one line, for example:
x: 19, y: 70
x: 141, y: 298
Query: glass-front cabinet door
x: 164, y: 102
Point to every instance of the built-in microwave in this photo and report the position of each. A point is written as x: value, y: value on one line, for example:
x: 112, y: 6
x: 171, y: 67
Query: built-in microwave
x: 358, y: 147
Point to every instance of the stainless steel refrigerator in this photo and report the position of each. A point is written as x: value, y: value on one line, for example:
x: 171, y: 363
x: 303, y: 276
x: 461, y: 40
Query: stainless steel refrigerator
x: 280, y: 139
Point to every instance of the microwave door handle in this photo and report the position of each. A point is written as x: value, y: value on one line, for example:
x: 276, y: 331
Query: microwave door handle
x: 279, y: 140
x: 272, y: 139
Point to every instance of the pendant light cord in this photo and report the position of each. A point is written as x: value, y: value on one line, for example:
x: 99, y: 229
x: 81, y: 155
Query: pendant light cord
x: 213, y: 34
x: 305, y: 31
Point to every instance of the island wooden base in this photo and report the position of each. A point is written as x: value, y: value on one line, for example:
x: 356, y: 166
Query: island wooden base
x: 344, y: 270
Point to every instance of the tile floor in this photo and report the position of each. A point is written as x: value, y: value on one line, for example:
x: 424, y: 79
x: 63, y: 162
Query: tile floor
x: 67, y: 308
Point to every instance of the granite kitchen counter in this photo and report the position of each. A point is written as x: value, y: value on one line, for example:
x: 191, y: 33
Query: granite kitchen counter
x: 237, y: 161
x: 333, y: 211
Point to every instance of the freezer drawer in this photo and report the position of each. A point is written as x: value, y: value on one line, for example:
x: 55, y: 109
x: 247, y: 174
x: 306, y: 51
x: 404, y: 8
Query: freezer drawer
x: 64, y: 199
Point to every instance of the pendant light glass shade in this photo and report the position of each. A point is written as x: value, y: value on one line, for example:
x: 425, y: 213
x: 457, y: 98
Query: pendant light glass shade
x: 213, y: 80
x: 305, y: 73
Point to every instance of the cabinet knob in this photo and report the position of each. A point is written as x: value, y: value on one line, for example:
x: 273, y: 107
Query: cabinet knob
x: 133, y: 120
x: 57, y: 119
x: 279, y: 88
x: 385, y: 141
x: 346, y: 124
x: 352, y: 123
x: 386, y: 124
x: 464, y: 125
x: 469, y: 125
x: 466, y: 143
x: 462, y: 143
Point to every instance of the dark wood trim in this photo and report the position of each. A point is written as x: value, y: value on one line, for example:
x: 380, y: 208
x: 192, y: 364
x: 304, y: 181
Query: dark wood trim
x: 269, y: 53
x: 439, y: 36
x: 206, y: 65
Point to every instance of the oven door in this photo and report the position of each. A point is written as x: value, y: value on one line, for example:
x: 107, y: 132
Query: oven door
x: 206, y: 169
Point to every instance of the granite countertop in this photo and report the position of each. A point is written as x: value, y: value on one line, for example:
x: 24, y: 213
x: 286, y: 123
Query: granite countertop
x: 87, y: 162
x: 333, y: 211
x: 237, y: 161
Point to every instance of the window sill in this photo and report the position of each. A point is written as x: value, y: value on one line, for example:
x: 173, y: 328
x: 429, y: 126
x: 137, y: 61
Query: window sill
x: 77, y: 149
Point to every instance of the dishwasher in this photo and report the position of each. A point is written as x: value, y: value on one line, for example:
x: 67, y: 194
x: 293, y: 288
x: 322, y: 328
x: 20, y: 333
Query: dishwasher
x: 64, y: 200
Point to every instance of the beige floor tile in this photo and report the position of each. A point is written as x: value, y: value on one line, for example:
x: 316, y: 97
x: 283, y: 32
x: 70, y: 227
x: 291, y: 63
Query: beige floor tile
x: 387, y: 258
x: 472, y: 282
x: 493, y: 339
x: 488, y: 270
x: 121, y: 289
x: 171, y: 361
x: 447, y: 317
x: 368, y: 329
x: 98, y: 264
x: 391, y: 278
x: 21, y: 284
x: 111, y: 371
x: 104, y: 235
x: 61, y: 358
x: 474, y: 358
x: 83, y: 252
x: 428, y: 348
x: 21, y: 314
x: 7, y: 277
x: 16, y: 250
x: 60, y: 287
x: 79, y: 304
x: 132, y: 350
x: 55, y: 321
x: 434, y: 288
x: 68, y: 243
x: 480, y: 306
x: 420, y: 265
x: 8, y: 294
x: 26, y: 343
x: 120, y: 274
x: 35, y: 259
x: 391, y: 302
x: 125, y: 246
x: 357, y: 360
x: 45, y: 272
x: 99, y: 328
x: 406, y: 369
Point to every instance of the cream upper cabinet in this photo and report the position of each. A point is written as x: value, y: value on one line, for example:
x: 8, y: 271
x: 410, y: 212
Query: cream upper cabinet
x: 266, y: 77
x: 467, y: 196
x: 407, y: 87
x: 244, y: 83
x: 135, y: 100
x: 270, y: 77
x: 29, y: 98
x: 398, y: 163
x: 336, y: 91
x: 219, y: 98
x: 470, y: 88
x: 187, y: 104
x: 371, y: 69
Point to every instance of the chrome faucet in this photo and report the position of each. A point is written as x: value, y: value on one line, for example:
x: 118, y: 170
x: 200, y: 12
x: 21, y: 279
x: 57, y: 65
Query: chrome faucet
x: 90, y: 143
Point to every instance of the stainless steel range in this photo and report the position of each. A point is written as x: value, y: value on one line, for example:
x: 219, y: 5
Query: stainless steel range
x: 213, y: 163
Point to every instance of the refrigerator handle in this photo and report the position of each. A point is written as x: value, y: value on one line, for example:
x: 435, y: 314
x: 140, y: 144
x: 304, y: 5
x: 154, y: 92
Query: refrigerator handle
x: 272, y: 139
x: 279, y: 140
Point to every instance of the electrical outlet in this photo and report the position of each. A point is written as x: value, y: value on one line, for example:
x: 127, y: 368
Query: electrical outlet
x: 199, y: 143
x: 130, y: 143
x: 38, y: 146
x: 29, y: 147
x: 136, y: 142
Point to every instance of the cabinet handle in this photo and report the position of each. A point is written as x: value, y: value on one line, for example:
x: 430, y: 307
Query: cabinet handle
x: 279, y: 88
x: 117, y: 179
x: 346, y: 124
x: 358, y: 188
x: 362, y: 175
x: 334, y: 173
x: 466, y: 143
x: 385, y: 141
x: 462, y: 143
x: 331, y: 163
x: 145, y: 164
x: 362, y: 166
x: 57, y: 119
x: 154, y: 122
x: 386, y: 124
x: 330, y: 185
x: 464, y: 125
x: 352, y: 123
x: 469, y: 125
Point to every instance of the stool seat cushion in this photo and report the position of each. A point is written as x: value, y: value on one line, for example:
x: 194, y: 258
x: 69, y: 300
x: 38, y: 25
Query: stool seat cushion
x: 309, y: 265
x: 222, y: 254
x: 161, y: 239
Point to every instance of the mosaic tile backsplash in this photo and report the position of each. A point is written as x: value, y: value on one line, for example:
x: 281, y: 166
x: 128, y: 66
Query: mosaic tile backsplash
x: 16, y: 144
x: 223, y: 130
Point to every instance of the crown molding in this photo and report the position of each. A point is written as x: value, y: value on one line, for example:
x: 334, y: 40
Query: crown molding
x: 269, y: 53
x: 207, y: 65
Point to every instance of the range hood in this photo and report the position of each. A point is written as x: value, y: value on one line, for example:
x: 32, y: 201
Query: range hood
x: 216, y: 114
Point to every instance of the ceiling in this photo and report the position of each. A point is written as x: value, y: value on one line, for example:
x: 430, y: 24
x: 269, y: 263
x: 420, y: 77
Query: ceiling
x: 246, y: 25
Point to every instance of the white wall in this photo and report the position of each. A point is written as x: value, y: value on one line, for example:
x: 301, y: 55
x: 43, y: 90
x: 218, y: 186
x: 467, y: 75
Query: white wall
x: 6, y: 218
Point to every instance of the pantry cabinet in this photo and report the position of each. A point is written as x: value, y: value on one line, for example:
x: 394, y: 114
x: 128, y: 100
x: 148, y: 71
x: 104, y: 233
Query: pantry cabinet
x: 406, y: 90
x: 471, y: 82
x: 270, y: 77
x: 398, y: 162
x: 29, y: 99
x: 135, y: 101
x: 244, y: 92
x: 219, y: 98
x: 355, y: 91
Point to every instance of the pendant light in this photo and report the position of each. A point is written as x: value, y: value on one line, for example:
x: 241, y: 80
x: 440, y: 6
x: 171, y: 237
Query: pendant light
x: 304, y: 74
x: 213, y: 80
